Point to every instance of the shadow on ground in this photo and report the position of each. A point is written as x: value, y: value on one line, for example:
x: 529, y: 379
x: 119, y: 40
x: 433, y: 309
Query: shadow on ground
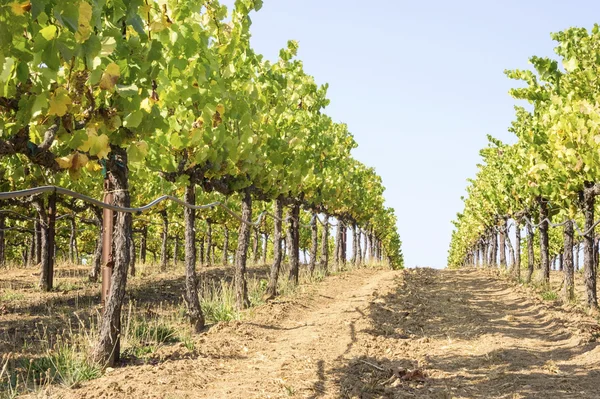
x: 473, y: 336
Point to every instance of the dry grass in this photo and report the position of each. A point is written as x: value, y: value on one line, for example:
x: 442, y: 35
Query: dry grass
x: 49, y: 336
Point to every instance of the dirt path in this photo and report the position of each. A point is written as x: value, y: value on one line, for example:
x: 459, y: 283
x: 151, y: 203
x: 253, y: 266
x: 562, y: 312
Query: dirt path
x: 472, y: 335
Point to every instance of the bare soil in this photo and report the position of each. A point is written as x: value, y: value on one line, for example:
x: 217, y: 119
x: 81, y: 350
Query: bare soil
x: 380, y: 334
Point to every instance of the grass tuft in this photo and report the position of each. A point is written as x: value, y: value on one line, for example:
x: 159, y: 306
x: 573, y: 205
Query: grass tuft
x: 549, y: 295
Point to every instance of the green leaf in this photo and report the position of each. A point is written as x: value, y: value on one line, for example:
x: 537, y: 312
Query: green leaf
x: 127, y: 91
x: 37, y: 7
x: 109, y: 44
x: 23, y: 72
x: 8, y: 65
x: 40, y: 103
x: 92, y: 47
x: 176, y: 141
x: 67, y: 13
x: 570, y: 65
x: 133, y: 120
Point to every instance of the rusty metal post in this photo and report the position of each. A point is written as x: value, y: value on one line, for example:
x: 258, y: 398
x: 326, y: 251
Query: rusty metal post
x: 51, y: 237
x: 107, y: 239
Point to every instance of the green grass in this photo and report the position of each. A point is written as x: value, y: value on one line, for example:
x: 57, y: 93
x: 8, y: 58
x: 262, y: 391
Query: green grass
x: 65, y: 363
x: 218, y: 302
x: 143, y: 335
x: 11, y: 295
x: 549, y: 295
x: 66, y: 286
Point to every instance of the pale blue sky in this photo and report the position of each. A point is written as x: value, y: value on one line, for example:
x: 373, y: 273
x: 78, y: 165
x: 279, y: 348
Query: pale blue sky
x: 420, y: 84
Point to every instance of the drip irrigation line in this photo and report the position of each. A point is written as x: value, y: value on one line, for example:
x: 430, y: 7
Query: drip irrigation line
x: 139, y: 210
x: 552, y: 225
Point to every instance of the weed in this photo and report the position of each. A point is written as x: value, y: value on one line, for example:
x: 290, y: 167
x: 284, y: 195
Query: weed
x: 11, y: 295
x: 144, y: 335
x: 66, y: 286
x: 218, y: 301
x: 65, y: 363
x: 549, y: 295
x: 256, y: 291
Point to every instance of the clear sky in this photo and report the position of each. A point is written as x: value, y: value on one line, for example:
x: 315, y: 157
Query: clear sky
x: 420, y: 84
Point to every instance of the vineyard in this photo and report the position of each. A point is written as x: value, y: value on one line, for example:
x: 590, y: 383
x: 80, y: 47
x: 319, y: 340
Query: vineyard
x: 182, y: 217
x: 142, y: 141
x: 541, y: 191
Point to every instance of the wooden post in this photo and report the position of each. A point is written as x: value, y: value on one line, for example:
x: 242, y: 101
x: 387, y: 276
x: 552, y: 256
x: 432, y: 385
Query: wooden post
x: 51, y: 237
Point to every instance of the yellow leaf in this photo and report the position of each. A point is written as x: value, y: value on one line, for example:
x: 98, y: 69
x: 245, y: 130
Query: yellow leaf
x: 84, y: 29
x: 158, y: 26
x: 96, y: 145
x: 73, y: 162
x: 146, y: 105
x: 65, y: 162
x: 18, y: 8
x: 221, y: 109
x: 110, y: 76
x: 93, y: 167
x: 49, y: 32
x: 144, y: 10
x: 59, y: 102
x: 101, y: 147
x: 79, y: 160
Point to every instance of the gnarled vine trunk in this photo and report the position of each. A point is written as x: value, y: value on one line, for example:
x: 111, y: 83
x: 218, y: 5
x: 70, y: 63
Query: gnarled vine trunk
x: 314, y: 229
x: 530, y: 253
x: 97, y: 260
x: 494, y: 249
x: 359, y: 260
x: 354, y: 238
x: 517, y: 265
x: 225, y: 246
x: 132, y: 257
x: 338, y: 245
x: 589, y: 272
x: 209, y: 243
x: 366, y: 246
x: 47, y: 232
x: 241, y: 255
x: 503, y: 232
x: 277, y: 255
x: 165, y: 239
x: 486, y: 250
x: 191, y: 279
x: 255, y: 246
x: 107, y: 348
x: 294, y: 243
x: 73, y: 242
x: 144, y: 244
x: 265, y: 247
x: 2, y: 240
x: 38, y: 240
x: 344, y: 247
x: 325, y: 244
x: 202, y: 250
x: 544, y: 247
